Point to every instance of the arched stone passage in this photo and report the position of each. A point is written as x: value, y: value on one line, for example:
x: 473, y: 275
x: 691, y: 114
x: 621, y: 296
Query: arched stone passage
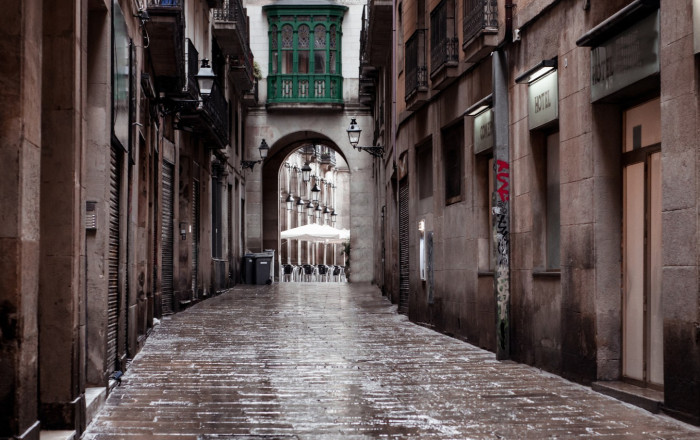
x: 279, y: 152
x: 285, y: 134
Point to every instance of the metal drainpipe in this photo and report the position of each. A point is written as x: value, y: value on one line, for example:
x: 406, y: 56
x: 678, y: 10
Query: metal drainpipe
x: 394, y: 71
x: 501, y: 195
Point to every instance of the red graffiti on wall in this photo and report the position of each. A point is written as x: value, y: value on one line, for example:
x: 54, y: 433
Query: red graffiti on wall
x: 503, y: 177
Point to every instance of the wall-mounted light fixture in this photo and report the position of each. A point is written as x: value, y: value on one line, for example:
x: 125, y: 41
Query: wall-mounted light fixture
x: 315, y: 191
x: 354, y: 132
x: 334, y: 217
x: 263, y: 149
x: 537, y: 71
x: 480, y: 106
x: 310, y: 209
x: 205, y: 80
x: 300, y: 205
x: 289, y: 202
x: 306, y: 172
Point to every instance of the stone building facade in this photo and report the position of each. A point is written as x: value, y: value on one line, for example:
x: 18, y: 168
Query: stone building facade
x: 543, y: 187
x: 122, y: 192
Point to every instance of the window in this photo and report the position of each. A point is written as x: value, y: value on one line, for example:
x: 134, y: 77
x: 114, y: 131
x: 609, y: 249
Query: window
x: 452, y: 147
x: 553, y: 224
x: 305, y: 53
x: 424, y: 165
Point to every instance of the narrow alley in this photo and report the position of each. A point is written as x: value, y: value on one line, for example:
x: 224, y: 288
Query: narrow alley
x: 334, y: 360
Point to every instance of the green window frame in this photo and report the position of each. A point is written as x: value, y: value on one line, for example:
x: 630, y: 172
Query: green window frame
x: 305, y: 53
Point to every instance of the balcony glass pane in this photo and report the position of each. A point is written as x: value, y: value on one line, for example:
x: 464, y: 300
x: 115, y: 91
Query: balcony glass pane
x: 319, y: 62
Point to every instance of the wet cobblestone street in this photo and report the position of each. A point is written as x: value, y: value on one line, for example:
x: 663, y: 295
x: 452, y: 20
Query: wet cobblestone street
x: 335, y: 361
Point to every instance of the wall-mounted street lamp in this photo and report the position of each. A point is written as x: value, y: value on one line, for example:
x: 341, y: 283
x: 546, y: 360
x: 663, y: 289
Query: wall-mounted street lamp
x: 326, y: 214
x: 315, y: 191
x: 205, y: 80
x: 300, y: 205
x: 537, y: 71
x: 319, y: 213
x: 306, y: 172
x: 264, y: 149
x: 290, y: 202
x: 354, y: 132
x: 334, y: 217
x: 310, y: 209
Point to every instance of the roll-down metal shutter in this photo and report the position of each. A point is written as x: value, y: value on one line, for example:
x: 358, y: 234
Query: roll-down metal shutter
x: 113, y: 297
x: 166, y: 235
x: 195, y: 236
x: 403, y: 247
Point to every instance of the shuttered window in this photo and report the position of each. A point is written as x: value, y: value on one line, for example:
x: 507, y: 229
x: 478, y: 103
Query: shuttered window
x: 195, y: 237
x: 167, y: 237
x: 403, y: 247
x: 113, y: 296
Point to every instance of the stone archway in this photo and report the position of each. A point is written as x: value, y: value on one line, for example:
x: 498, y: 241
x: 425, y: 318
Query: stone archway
x: 360, y: 190
x: 280, y: 151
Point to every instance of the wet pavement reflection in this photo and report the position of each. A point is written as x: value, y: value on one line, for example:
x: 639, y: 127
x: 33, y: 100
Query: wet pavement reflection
x: 334, y: 360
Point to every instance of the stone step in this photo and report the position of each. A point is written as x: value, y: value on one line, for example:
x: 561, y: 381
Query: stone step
x: 646, y: 398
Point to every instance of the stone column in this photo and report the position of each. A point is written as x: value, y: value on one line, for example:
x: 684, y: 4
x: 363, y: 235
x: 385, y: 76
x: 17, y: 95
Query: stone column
x: 62, y: 404
x: 20, y: 150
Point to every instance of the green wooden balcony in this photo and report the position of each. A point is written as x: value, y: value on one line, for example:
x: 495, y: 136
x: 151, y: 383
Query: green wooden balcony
x: 305, y: 88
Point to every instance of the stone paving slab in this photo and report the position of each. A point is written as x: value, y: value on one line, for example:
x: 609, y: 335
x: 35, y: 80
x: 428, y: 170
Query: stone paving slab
x: 335, y: 361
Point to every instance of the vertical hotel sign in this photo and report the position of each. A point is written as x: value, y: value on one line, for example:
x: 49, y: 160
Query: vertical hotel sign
x: 483, y: 131
x: 120, y: 77
x: 543, y: 101
x: 626, y: 58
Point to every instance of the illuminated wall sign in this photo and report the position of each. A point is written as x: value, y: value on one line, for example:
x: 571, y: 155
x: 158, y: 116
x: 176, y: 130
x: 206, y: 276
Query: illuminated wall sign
x: 543, y: 101
x: 626, y: 58
x: 483, y: 131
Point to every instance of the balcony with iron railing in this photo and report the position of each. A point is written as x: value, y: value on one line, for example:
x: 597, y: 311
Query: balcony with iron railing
x: 242, y: 72
x: 230, y: 28
x: 305, y: 89
x: 206, y: 115
x: 480, y: 28
x: 444, y: 56
x: 416, y: 71
x: 166, y: 28
x: 377, y: 37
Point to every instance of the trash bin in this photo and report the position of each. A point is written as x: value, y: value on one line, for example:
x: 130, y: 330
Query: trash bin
x: 263, y: 268
x: 248, y: 269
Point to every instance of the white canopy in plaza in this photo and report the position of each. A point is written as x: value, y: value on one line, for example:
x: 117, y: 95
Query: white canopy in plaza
x: 317, y: 233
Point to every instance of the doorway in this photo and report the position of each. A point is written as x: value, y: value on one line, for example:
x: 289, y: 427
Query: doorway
x: 642, y: 320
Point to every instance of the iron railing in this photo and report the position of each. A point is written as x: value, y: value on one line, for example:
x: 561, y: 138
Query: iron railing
x: 232, y: 11
x: 216, y: 107
x: 244, y: 62
x: 191, y: 87
x: 165, y: 3
x: 443, y: 47
x: 305, y: 88
x: 416, y: 71
x: 479, y: 15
